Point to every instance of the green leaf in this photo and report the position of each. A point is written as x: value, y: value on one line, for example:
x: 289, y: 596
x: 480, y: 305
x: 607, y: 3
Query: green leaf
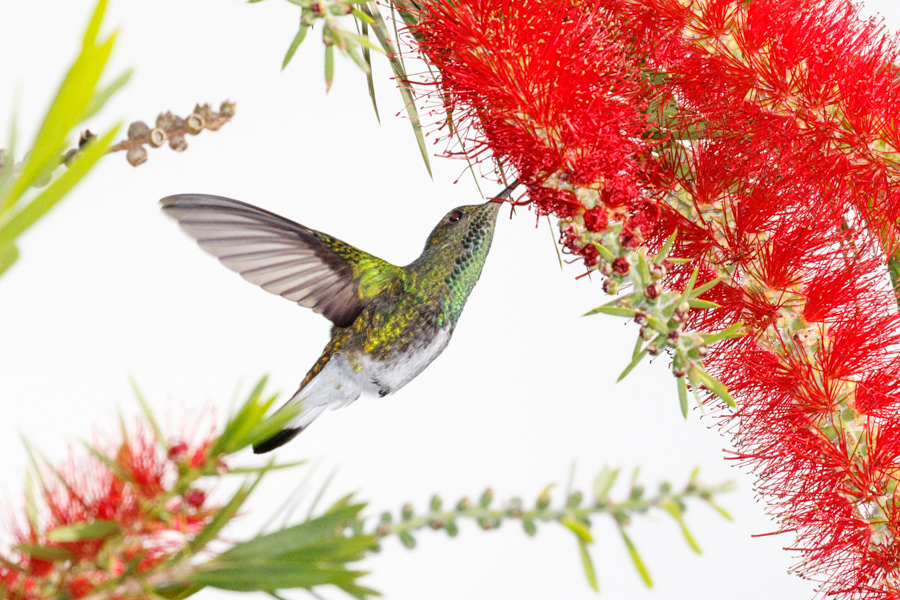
x: 222, y: 517
x: 51, y: 553
x: 604, y: 481
x: 675, y: 511
x: 634, y: 362
x: 580, y: 530
x: 95, y: 530
x: 101, y: 97
x: 273, y: 575
x: 706, y: 287
x: 588, y: 565
x: 381, y: 32
x: 329, y: 66
x: 686, y: 294
x: 293, y: 538
x: 12, y: 227
x: 720, y: 510
x: 702, y: 304
x: 683, y: 396
x: 148, y: 414
x: 248, y: 415
x: 666, y: 248
x: 367, y: 56
x: 714, y: 385
x: 67, y: 109
x: 9, y: 254
x: 298, y: 39
x: 616, y: 311
x: 637, y: 346
x: 605, y: 253
x: 730, y: 332
x: 636, y: 559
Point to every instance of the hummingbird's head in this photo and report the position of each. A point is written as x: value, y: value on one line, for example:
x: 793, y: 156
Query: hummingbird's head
x: 466, y: 230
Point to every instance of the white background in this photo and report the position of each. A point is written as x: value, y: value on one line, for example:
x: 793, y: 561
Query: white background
x: 108, y: 286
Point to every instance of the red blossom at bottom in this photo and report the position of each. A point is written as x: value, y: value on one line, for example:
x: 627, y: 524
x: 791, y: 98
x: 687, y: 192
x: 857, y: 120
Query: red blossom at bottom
x: 137, y: 502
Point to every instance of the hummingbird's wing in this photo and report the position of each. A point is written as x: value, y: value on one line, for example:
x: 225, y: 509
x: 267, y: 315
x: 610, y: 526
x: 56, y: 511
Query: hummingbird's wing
x: 305, y: 266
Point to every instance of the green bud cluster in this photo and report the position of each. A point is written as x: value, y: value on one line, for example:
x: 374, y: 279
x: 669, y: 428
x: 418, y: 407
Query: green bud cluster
x: 636, y: 276
x: 574, y: 513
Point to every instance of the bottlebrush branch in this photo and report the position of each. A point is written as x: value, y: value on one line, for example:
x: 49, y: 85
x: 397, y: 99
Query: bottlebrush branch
x: 766, y: 134
x: 136, y: 517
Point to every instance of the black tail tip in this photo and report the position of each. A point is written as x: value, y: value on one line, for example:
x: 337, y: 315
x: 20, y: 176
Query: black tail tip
x: 279, y: 439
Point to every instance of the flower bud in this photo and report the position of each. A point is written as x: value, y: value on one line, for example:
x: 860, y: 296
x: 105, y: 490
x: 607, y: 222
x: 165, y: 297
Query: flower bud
x: 195, y: 498
x: 407, y: 540
x: 679, y: 372
x: 136, y: 155
x: 407, y: 511
x: 138, y: 131
x: 178, y: 143
x: 67, y: 159
x: 611, y: 287
x: 653, y: 291
x: 530, y: 527
x: 435, y: 504
x: 641, y: 319
x: 452, y: 529
x: 657, y: 272
x: 86, y: 136
x: 227, y: 109
x: 672, y: 338
x: 463, y: 505
x: 486, y: 498
x: 605, y: 268
x: 652, y: 349
x: 621, y: 266
x: 702, y: 351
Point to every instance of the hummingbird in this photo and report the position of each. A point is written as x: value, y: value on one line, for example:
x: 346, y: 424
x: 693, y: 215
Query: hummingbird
x: 389, y: 322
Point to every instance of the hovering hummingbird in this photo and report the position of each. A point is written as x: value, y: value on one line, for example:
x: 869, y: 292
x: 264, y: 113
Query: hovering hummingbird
x: 390, y: 322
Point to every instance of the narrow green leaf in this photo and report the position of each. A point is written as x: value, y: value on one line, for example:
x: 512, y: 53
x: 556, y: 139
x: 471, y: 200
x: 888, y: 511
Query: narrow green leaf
x: 66, y: 110
x: 148, y: 414
x: 367, y: 56
x: 329, y: 66
x: 616, y: 311
x: 894, y: 271
x: 706, y: 287
x: 298, y: 39
x: 250, y: 577
x: 51, y: 553
x: 604, y: 481
x: 715, y: 386
x: 634, y: 362
x: 666, y: 248
x: 636, y: 559
x: 588, y: 565
x: 101, y: 97
x: 702, y: 304
x: 730, y: 332
x: 114, y: 468
x: 580, y: 530
x: 359, y: 60
x: 77, y: 532
x: 643, y: 268
x: 246, y: 417
x: 291, y: 539
x: 222, y: 517
x: 13, y: 227
x: 682, y: 396
x: 720, y: 510
x: 9, y: 254
x: 381, y: 32
x: 675, y: 511
x: 605, y: 253
x: 251, y: 470
x: 637, y: 346
x: 686, y: 295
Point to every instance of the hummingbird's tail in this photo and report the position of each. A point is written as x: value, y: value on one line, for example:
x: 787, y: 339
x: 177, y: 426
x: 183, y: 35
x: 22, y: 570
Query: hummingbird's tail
x: 330, y: 384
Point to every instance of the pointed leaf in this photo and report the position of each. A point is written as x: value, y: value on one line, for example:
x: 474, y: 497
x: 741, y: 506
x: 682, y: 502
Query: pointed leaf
x: 580, y: 530
x: 636, y: 559
x: 77, y: 532
x: 634, y: 362
x: 616, y: 311
x: 682, y: 396
x: 298, y: 39
x: 148, y: 414
x: 588, y: 565
x: 604, y: 481
x: 51, y: 553
x: 666, y: 248
x: 9, y: 254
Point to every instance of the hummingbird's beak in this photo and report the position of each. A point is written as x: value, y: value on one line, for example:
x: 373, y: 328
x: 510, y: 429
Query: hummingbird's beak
x: 504, y: 195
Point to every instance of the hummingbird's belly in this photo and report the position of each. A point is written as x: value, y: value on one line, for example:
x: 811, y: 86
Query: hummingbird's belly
x: 383, y: 376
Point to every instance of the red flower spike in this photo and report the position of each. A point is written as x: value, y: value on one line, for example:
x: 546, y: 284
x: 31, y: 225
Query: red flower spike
x: 775, y: 125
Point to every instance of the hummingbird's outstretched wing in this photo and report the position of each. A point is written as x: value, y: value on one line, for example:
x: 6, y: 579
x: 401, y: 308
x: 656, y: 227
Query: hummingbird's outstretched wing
x: 305, y: 266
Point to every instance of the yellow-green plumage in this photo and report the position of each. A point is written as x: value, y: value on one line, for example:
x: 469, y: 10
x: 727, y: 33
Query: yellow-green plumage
x: 390, y: 322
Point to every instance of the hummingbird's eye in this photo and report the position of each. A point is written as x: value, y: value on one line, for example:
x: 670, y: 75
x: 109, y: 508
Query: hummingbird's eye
x: 455, y: 216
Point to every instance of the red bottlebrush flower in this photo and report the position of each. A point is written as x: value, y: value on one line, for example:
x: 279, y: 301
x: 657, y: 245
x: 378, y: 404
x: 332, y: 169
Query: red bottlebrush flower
x: 134, y: 489
x: 765, y: 132
x: 596, y: 219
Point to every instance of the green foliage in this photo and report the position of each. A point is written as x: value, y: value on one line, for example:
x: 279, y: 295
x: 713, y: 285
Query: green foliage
x: 574, y: 514
x: 78, y: 98
x: 357, y: 46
